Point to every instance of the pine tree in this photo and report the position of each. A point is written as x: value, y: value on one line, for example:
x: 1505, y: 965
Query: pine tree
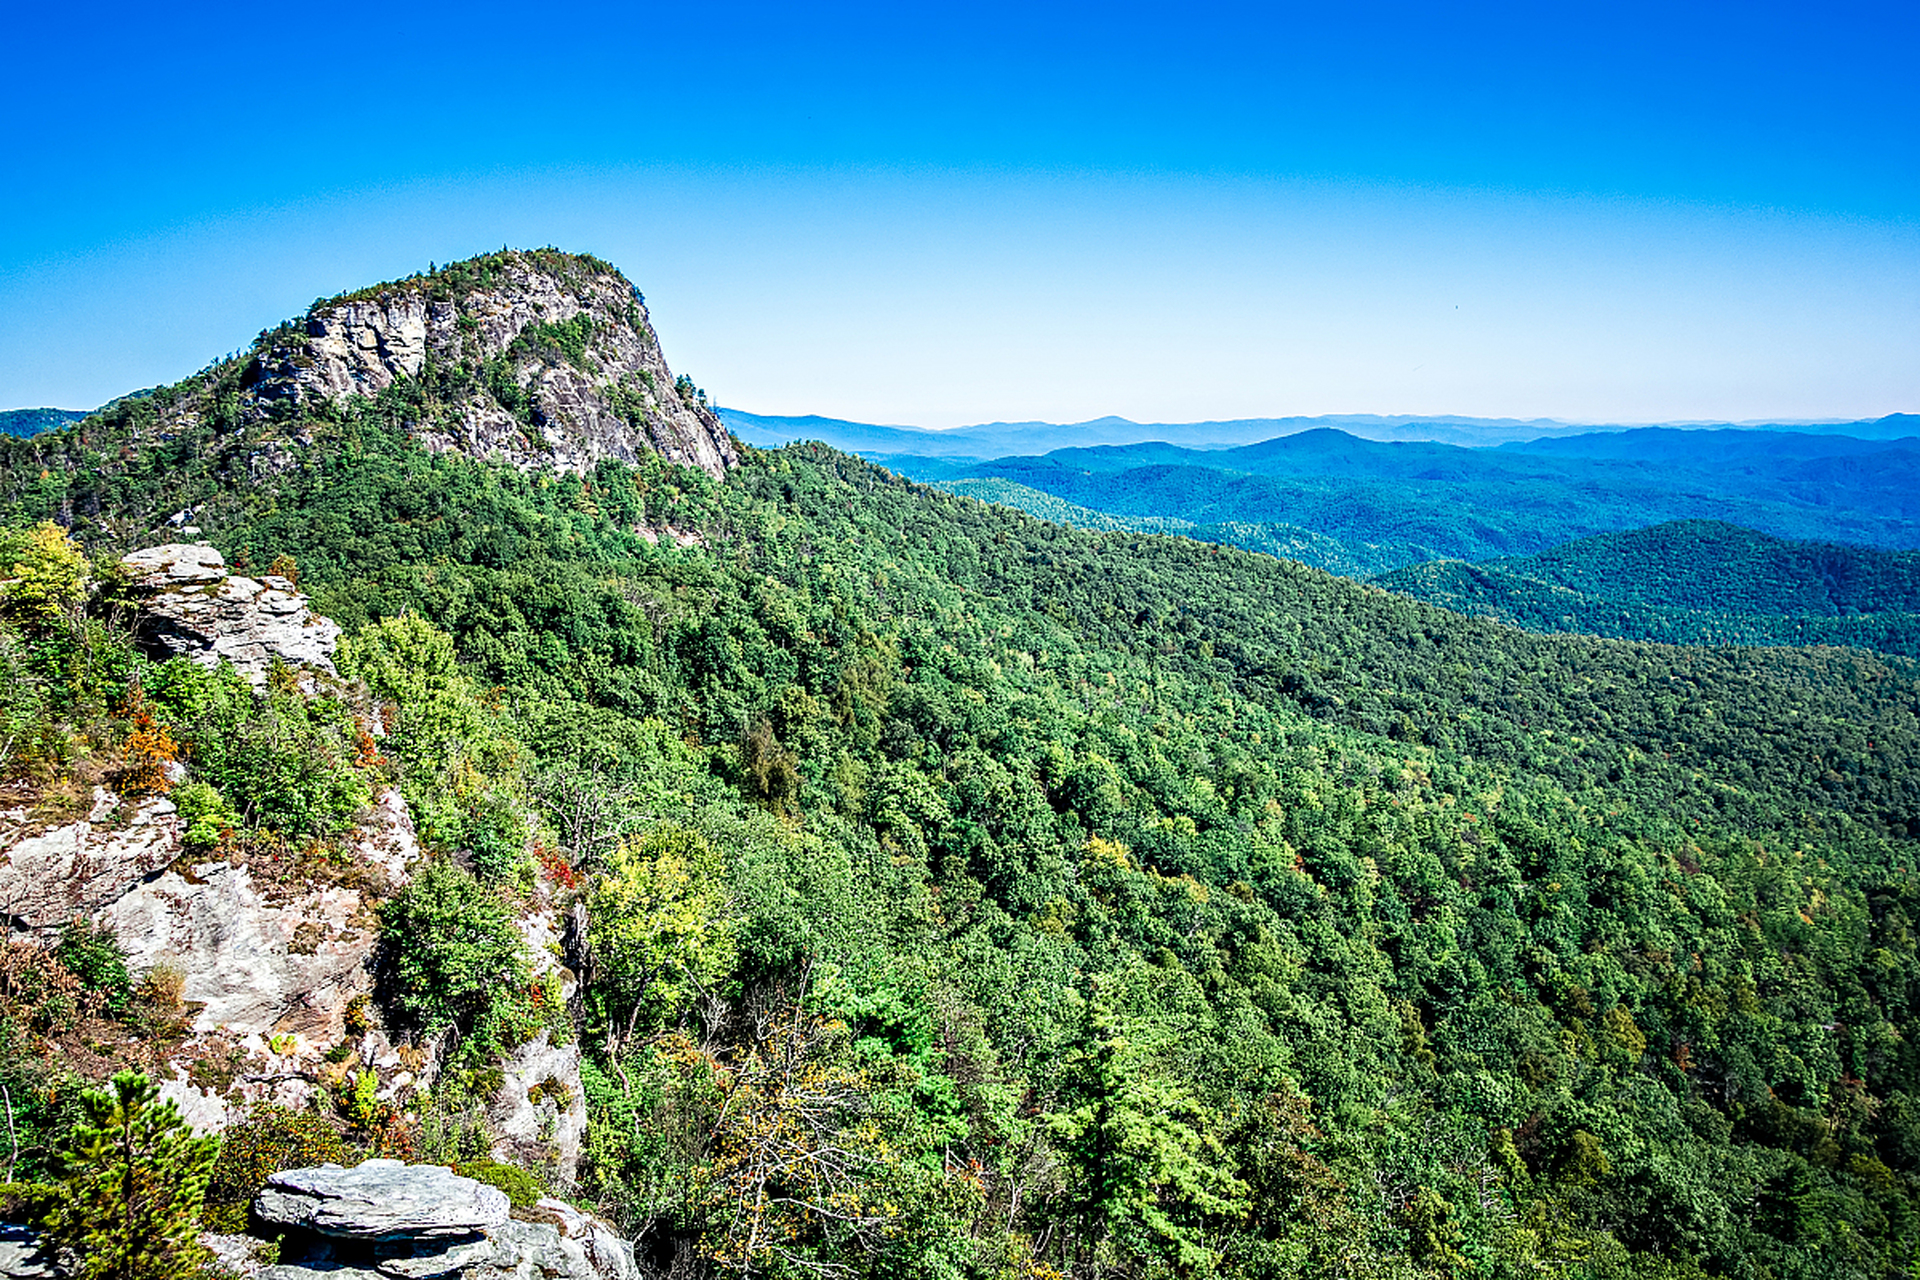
x: 1147, y: 1176
x: 136, y: 1177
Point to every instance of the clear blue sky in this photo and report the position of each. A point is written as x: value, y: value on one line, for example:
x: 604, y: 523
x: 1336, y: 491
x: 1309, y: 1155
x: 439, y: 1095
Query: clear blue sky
x: 936, y: 215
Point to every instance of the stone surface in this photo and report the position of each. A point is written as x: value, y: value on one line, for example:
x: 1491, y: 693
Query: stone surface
x: 381, y: 1200
x: 190, y: 606
x: 388, y: 842
x: 256, y: 967
x: 269, y: 970
x: 421, y: 1222
x: 532, y: 1250
x: 410, y: 1261
x: 539, y: 1114
x: 235, y: 1255
x: 21, y: 1257
x: 610, y: 1256
x: 205, y: 1111
x: 616, y: 400
x: 323, y: 1269
x: 50, y: 875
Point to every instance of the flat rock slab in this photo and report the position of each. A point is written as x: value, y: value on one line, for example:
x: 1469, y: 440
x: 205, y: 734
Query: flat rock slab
x: 381, y: 1200
x: 176, y: 565
x: 325, y: 1271
x: 21, y: 1257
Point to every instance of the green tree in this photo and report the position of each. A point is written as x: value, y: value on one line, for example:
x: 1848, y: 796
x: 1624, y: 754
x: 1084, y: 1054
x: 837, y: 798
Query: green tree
x: 136, y: 1177
x: 1146, y: 1174
x: 93, y: 954
x: 460, y: 768
x: 661, y: 932
x: 43, y: 576
x: 453, y: 952
x: 409, y: 663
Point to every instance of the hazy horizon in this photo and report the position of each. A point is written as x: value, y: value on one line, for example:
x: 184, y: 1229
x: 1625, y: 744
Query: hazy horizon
x: 1050, y: 214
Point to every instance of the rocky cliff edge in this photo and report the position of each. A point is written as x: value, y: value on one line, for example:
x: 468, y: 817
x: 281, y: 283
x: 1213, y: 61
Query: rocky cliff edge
x: 569, y: 368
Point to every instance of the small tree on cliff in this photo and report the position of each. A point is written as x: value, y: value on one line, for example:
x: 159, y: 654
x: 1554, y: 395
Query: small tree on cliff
x: 136, y: 1177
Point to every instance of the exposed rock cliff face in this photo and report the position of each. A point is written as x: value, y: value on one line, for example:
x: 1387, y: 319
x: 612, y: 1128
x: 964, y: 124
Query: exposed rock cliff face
x: 269, y: 965
x: 274, y: 955
x: 539, y: 1114
x: 192, y: 607
x: 49, y: 875
x: 572, y: 370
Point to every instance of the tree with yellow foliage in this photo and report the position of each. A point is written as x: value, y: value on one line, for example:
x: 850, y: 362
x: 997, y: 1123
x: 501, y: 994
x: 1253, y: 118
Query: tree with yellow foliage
x: 661, y: 927
x: 43, y: 577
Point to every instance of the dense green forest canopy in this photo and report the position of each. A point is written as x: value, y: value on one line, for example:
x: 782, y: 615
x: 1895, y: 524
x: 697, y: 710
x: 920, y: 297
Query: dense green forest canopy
x: 1131, y: 905
x: 1691, y: 582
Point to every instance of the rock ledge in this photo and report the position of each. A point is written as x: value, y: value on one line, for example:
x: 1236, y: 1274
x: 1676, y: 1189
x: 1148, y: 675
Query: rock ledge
x: 192, y: 607
x: 384, y: 1220
x: 381, y: 1200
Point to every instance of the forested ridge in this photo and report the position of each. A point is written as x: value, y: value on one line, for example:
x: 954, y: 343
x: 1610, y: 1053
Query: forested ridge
x: 26, y: 422
x: 1061, y: 902
x: 1691, y: 582
x: 1361, y: 507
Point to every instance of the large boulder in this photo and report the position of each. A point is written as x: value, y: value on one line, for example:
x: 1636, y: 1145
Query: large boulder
x: 383, y: 1220
x: 381, y: 1200
x: 191, y: 607
x: 511, y: 1251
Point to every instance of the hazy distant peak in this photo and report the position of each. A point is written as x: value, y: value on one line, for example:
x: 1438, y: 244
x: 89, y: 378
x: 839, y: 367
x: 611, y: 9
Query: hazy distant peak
x: 1004, y: 439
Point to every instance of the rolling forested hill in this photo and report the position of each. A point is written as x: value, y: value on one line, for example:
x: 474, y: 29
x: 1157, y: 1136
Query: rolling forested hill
x: 1111, y: 904
x: 1387, y: 506
x: 26, y: 422
x: 1691, y: 582
x: 1287, y: 541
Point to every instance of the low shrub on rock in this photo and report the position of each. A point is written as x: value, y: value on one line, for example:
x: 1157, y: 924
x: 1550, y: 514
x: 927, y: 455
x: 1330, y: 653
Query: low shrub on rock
x: 267, y: 1141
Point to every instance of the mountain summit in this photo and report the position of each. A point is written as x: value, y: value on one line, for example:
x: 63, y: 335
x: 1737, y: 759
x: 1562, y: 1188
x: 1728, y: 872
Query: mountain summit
x: 536, y: 358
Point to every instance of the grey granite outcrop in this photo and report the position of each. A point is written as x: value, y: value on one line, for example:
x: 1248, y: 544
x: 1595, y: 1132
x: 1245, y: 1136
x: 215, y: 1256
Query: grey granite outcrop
x: 610, y: 1256
x: 191, y: 607
x: 269, y: 969
x: 381, y: 1200
x: 50, y: 874
x: 610, y: 394
x: 384, y: 1220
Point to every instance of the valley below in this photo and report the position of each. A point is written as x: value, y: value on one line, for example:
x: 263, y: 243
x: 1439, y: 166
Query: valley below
x: 438, y: 735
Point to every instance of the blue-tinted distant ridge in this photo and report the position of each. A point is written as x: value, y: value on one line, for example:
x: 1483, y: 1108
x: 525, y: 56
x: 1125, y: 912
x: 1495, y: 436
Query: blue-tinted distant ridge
x: 1003, y: 439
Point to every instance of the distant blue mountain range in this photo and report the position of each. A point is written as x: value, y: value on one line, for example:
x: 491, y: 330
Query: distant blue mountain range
x: 31, y: 422
x: 1360, y: 507
x: 1000, y: 439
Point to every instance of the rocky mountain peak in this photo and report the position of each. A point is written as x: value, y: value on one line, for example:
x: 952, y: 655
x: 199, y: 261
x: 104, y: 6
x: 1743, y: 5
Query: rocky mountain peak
x: 538, y: 359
